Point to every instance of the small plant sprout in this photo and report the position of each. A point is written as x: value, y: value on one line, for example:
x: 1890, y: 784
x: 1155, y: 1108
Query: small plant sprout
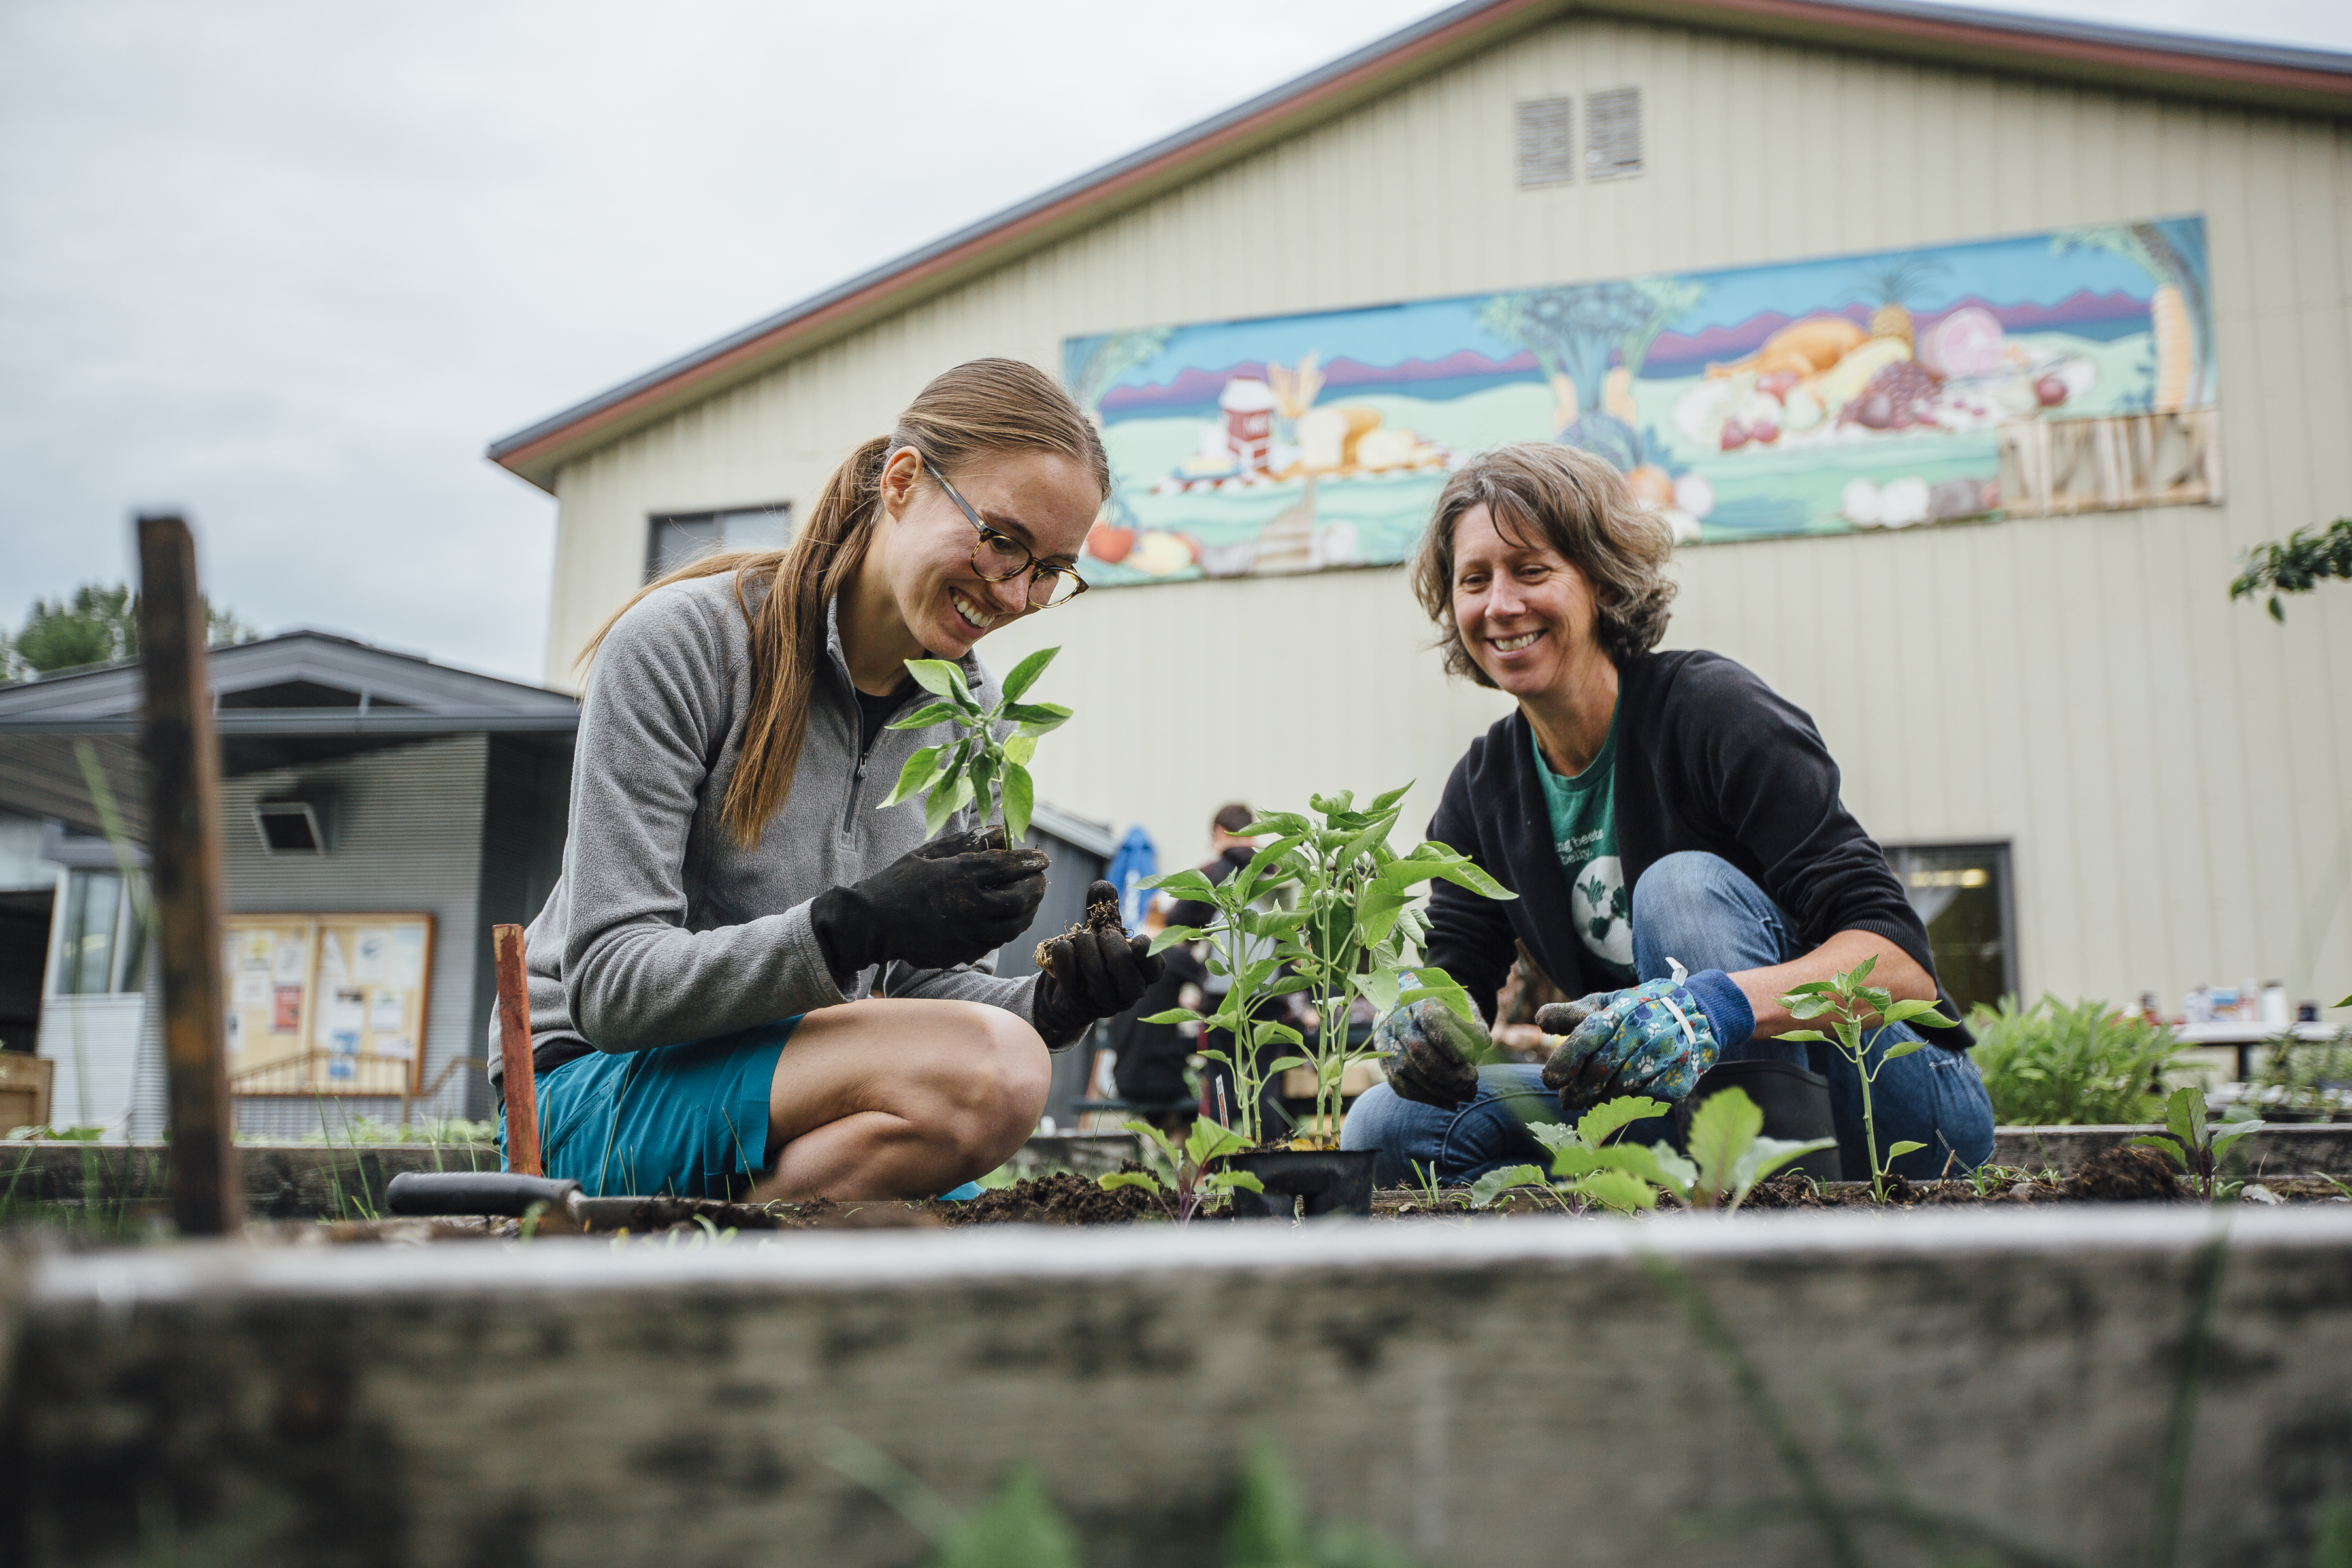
x: 988, y: 760
x: 1190, y: 1185
x: 2192, y: 1143
x: 1848, y: 1005
x: 1617, y: 1176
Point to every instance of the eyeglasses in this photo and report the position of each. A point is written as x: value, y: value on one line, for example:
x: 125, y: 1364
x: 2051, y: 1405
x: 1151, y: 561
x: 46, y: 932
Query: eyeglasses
x: 999, y: 557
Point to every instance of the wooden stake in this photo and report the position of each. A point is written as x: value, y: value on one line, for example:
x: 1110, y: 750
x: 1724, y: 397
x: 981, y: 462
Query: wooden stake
x: 184, y: 770
x: 514, y: 1052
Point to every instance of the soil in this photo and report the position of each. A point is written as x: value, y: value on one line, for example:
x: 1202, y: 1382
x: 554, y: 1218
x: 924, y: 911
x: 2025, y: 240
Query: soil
x: 1061, y: 1198
x: 2125, y: 1174
x: 1100, y: 917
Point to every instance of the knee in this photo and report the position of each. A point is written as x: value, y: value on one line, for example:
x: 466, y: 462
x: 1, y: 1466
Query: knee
x: 998, y: 1088
x: 1704, y: 911
x: 1678, y: 882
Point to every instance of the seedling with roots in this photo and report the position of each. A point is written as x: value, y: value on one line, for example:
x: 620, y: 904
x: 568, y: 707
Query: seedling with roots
x: 1190, y: 1185
x: 1848, y: 1005
x: 2192, y: 1143
x: 988, y: 760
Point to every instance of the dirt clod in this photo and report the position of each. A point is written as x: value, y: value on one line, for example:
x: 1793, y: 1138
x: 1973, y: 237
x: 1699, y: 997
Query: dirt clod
x: 2123, y: 1174
x: 1061, y: 1198
x: 1100, y: 917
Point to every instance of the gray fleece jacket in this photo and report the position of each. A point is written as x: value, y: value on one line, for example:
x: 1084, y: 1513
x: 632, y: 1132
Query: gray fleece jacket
x: 662, y: 928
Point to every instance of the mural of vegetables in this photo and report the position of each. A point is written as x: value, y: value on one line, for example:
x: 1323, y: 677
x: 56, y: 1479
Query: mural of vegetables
x: 1812, y: 396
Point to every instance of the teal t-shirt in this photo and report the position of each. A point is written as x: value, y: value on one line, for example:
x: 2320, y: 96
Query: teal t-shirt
x: 1584, y: 830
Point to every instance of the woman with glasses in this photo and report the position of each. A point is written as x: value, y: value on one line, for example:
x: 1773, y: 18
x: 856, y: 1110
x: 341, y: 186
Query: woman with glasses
x: 728, y: 883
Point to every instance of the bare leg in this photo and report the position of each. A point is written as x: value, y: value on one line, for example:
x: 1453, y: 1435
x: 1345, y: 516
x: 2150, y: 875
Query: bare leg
x: 900, y: 1098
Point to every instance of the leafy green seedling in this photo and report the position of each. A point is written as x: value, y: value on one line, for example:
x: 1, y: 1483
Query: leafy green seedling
x: 1617, y: 1176
x: 981, y: 763
x: 1728, y: 1154
x: 1848, y: 1005
x: 1356, y: 923
x: 2192, y: 1143
x: 1343, y: 928
x: 1190, y: 1184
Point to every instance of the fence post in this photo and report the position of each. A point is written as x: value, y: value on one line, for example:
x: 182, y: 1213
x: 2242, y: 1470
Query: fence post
x: 515, y: 1079
x: 183, y: 782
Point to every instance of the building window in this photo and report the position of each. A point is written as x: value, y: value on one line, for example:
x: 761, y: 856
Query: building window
x: 1547, y: 141
x: 101, y: 946
x: 1963, y: 894
x: 678, y: 538
x: 1612, y: 133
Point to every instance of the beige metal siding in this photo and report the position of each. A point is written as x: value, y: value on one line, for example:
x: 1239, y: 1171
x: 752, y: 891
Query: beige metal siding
x: 2174, y: 770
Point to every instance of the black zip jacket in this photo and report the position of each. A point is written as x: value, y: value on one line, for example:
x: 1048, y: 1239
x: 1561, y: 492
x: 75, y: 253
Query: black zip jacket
x: 1709, y: 758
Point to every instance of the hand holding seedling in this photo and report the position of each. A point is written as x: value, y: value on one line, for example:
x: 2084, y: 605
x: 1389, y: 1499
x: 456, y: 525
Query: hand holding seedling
x: 1094, y: 969
x: 950, y: 901
x: 980, y: 765
x: 1657, y: 1037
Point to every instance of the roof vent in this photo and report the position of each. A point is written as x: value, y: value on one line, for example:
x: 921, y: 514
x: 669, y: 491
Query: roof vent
x: 288, y: 827
x: 1547, y: 141
x: 1612, y: 133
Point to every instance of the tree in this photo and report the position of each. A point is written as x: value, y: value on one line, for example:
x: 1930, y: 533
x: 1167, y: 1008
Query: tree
x: 97, y: 626
x: 2297, y: 566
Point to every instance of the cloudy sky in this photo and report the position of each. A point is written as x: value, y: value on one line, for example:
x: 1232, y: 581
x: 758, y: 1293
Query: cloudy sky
x: 290, y: 265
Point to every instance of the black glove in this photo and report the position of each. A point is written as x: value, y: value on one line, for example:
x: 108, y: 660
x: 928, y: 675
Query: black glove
x: 950, y: 901
x: 1096, y: 972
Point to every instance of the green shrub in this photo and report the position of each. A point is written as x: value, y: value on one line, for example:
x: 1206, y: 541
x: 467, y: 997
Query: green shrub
x: 2058, y: 1064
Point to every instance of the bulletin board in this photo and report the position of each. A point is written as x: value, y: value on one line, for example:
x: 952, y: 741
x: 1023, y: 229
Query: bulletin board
x: 326, y: 1004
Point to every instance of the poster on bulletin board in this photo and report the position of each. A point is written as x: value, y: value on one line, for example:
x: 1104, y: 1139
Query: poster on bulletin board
x: 326, y: 1004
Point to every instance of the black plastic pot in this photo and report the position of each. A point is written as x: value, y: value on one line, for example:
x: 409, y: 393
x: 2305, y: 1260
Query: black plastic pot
x: 1795, y: 1102
x: 1328, y: 1181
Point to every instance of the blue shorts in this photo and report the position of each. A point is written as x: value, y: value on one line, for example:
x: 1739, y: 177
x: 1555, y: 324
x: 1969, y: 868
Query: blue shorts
x: 690, y: 1120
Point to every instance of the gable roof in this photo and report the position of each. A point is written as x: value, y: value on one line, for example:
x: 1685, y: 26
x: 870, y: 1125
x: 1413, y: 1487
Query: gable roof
x: 2276, y: 76
x: 304, y: 697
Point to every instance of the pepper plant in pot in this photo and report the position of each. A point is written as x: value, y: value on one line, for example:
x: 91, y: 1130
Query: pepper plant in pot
x: 1345, y: 931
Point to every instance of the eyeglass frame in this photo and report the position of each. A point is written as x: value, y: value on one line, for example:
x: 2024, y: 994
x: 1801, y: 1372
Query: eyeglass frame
x: 1033, y: 566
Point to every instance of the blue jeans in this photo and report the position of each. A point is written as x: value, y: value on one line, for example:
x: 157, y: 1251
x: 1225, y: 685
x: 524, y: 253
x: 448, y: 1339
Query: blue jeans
x: 1699, y: 909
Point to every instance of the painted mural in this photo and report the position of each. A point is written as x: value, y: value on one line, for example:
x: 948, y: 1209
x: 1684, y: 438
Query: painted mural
x: 1814, y: 397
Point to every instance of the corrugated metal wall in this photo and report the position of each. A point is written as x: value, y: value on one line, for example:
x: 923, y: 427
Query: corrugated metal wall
x: 2173, y: 770
x: 404, y: 830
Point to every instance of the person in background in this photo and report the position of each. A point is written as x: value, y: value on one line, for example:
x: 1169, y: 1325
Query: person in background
x: 1673, y: 830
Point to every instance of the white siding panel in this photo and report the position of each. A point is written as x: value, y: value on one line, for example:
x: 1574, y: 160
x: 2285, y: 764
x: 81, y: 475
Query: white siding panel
x: 2172, y: 769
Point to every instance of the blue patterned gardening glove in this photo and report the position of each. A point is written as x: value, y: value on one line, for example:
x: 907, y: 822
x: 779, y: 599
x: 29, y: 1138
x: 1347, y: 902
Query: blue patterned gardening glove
x: 1654, y: 1038
x: 1430, y: 1056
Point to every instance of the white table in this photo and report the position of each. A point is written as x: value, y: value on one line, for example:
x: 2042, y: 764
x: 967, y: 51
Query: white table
x: 2246, y: 1037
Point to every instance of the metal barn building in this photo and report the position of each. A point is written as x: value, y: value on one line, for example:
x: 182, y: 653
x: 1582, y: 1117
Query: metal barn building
x: 2086, y: 299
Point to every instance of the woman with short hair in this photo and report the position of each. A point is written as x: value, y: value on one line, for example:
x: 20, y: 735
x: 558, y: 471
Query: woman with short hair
x: 729, y: 882
x: 1673, y: 833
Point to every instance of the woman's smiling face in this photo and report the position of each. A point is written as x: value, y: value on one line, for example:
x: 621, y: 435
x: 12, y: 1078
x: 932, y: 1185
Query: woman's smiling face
x: 1525, y: 612
x: 1043, y: 498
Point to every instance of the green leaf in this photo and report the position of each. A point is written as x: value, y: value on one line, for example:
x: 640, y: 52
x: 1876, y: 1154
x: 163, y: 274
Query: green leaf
x: 1118, y: 1179
x: 1853, y: 978
x: 1153, y: 1138
x: 1811, y: 988
x: 2163, y: 1145
x: 1809, y: 1007
x: 1170, y: 935
x: 1902, y: 1048
x: 1285, y: 1064
x: 940, y: 806
x: 1212, y: 1140
x: 1922, y: 1013
x: 1605, y: 1120
x: 1618, y: 1190
x: 1495, y: 1183
x: 1813, y: 1036
x: 1876, y: 1000
x: 943, y: 677
x: 1019, y: 747
x: 1037, y: 717
x: 2184, y: 1117
x: 1682, y: 1176
x: 1897, y: 1150
x: 1265, y: 1033
x: 1173, y: 1015
x: 1767, y: 1155
x: 1183, y: 885
x: 1722, y: 1131
x: 1018, y: 1525
x: 1025, y: 674
x: 1268, y: 1527
x: 1382, y: 802
x: 2231, y: 1130
x: 1380, y: 988
x: 1554, y: 1136
x: 915, y: 775
x: 1227, y: 1181
x: 1438, y: 984
x: 1020, y: 799
x: 923, y: 718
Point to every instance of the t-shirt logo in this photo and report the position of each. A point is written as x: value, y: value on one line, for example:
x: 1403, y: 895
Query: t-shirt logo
x: 1604, y: 911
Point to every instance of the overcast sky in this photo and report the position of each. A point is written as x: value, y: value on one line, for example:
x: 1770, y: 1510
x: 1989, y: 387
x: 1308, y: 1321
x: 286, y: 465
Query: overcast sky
x: 290, y: 265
